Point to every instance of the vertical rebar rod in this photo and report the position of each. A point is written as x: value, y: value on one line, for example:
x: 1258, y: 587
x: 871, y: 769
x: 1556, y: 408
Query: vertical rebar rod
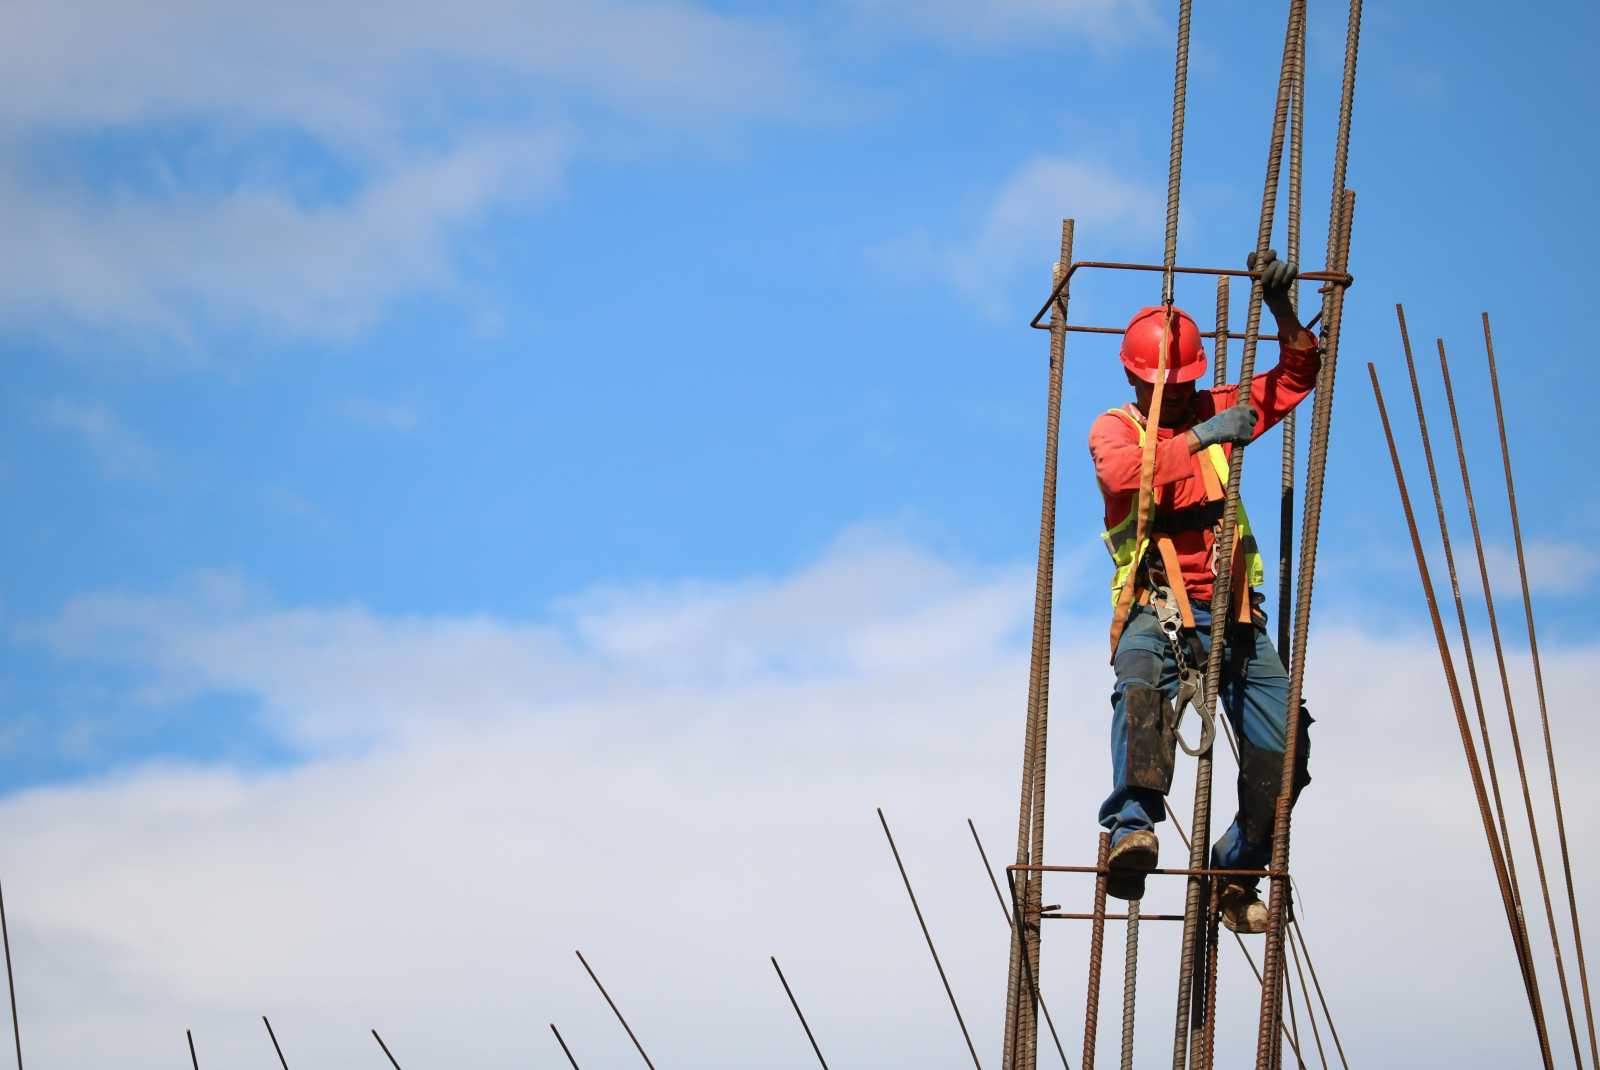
x: 614, y: 1010
x: 1005, y: 912
x: 274, y: 1038
x: 1295, y: 932
x: 1097, y: 940
x: 564, y: 1049
x: 926, y: 935
x: 1021, y: 1029
x: 1452, y: 684
x: 1188, y: 1033
x: 1208, y: 1035
x: 1180, y: 93
x: 392, y: 1060
x: 798, y: 1013
x: 1297, y: 124
x: 11, y: 983
x: 1505, y: 689
x: 1538, y: 681
x: 1219, y: 348
x: 1510, y: 889
x: 1130, y: 983
x: 1268, y: 1048
x: 193, y: 1058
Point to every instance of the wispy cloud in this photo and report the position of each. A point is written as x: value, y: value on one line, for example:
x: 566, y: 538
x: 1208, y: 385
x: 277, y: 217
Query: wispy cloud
x: 714, y: 751
x: 379, y: 415
x: 1006, y: 22
x: 353, y: 143
x: 118, y: 449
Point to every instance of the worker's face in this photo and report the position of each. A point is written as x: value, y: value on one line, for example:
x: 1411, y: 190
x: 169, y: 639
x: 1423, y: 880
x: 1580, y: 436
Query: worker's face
x: 1176, y: 400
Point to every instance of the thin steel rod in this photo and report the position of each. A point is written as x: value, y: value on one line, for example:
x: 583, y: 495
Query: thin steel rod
x: 798, y: 1013
x: 564, y: 1049
x: 1020, y: 1040
x: 614, y: 1010
x: 1219, y: 350
x: 1330, y: 279
x: 1005, y: 912
x: 1297, y: 123
x: 1097, y: 938
x: 1066, y: 916
x: 1511, y: 710
x: 1294, y: 1020
x: 1187, y: 1033
x: 193, y: 1058
x: 929, y: 938
x: 1297, y: 933
x: 1208, y: 1046
x: 392, y: 1060
x: 1311, y: 1014
x: 11, y: 983
x: 1454, y: 688
x: 1538, y: 681
x: 1130, y: 982
x: 274, y: 1037
x: 1510, y: 889
x: 1219, y: 335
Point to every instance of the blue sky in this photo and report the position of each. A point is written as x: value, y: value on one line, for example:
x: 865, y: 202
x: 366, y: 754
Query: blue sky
x: 327, y: 325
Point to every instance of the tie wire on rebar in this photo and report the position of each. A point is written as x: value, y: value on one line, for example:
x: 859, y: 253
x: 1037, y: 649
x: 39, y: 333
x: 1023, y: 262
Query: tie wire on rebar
x: 615, y: 1010
x: 798, y: 1013
x: 1021, y: 1025
x: 927, y: 936
x: 564, y: 1049
x: 11, y: 984
x: 389, y: 1054
x: 1510, y: 890
x: 1538, y: 680
x: 274, y: 1038
x: 1454, y: 688
x: 1005, y: 912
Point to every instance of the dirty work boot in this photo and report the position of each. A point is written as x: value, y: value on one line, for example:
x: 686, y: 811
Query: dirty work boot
x: 1133, y: 856
x: 1241, y: 909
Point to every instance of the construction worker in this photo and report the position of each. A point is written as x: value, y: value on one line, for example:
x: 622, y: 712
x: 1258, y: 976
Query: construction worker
x: 1165, y: 586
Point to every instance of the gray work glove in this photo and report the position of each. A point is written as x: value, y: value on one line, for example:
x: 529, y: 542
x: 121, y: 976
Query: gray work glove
x: 1236, y: 424
x: 1277, y: 277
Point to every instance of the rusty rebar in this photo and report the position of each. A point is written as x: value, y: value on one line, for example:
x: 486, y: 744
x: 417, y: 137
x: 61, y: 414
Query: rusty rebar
x: 1097, y: 940
x: 1511, y: 889
x: 1297, y: 124
x: 1208, y: 1035
x: 193, y: 1058
x: 1219, y: 349
x: 274, y: 1038
x: 1454, y: 688
x: 1538, y: 680
x: 1186, y: 1032
x: 1180, y: 93
x: 798, y: 1013
x: 926, y: 935
x: 11, y: 983
x: 1311, y: 1014
x: 1341, y: 208
x: 1130, y: 982
x: 614, y: 1010
x: 392, y: 1060
x: 564, y: 1049
x: 1021, y: 1028
x: 1005, y: 912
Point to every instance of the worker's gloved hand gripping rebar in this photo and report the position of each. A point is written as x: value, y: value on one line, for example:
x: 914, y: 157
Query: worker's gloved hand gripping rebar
x: 1277, y: 279
x: 1235, y: 424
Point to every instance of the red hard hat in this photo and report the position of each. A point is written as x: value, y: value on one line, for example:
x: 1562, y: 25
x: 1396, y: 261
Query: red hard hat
x: 1141, y: 346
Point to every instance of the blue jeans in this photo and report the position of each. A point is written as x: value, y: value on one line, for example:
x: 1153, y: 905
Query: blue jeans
x: 1255, y: 701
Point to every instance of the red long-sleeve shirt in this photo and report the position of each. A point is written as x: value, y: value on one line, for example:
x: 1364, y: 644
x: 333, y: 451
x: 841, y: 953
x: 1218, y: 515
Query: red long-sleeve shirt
x: 1114, y: 446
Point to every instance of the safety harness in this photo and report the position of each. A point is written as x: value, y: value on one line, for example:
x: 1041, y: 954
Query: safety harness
x: 1169, y: 600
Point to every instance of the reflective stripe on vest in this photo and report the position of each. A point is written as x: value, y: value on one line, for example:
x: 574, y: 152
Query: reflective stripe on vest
x: 1120, y: 539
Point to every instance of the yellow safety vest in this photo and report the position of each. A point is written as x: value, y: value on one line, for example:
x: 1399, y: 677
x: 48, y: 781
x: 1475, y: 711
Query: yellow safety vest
x: 1127, y: 555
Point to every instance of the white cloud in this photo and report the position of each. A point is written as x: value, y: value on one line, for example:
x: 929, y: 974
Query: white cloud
x: 681, y: 781
x: 1555, y: 567
x: 379, y: 415
x: 1008, y: 21
x: 430, y: 117
x: 119, y: 450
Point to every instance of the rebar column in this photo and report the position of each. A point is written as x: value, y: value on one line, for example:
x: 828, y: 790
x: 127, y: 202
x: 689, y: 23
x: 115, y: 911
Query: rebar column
x: 1020, y: 1042
x: 1188, y: 1028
